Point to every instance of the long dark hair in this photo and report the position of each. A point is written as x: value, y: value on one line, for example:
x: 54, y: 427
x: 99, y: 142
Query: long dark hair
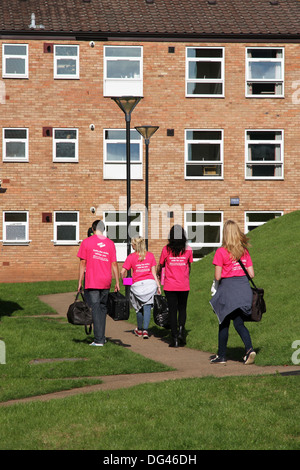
x: 177, y: 240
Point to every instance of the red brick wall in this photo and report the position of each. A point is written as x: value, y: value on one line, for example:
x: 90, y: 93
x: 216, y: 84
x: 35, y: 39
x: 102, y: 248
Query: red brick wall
x: 43, y: 186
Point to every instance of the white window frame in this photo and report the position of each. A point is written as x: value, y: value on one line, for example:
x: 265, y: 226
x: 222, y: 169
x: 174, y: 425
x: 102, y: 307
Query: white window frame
x: 15, y: 56
x: 265, y: 162
x: 208, y: 163
x: 7, y: 140
x: 205, y: 80
x: 196, y: 245
x: 25, y: 224
x: 116, y: 169
x: 61, y: 223
x: 250, y: 80
x: 257, y: 224
x: 57, y: 140
x: 121, y: 248
x: 57, y: 57
x: 122, y: 86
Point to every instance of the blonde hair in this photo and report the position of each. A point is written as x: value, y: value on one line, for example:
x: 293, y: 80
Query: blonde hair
x: 234, y: 240
x: 139, y: 246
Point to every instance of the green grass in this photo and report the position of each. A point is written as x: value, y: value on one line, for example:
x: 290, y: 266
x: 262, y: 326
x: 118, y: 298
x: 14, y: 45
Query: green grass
x: 209, y: 413
x: 233, y: 413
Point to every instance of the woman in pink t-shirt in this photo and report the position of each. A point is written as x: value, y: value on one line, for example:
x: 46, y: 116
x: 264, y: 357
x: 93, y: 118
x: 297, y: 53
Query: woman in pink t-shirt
x: 176, y: 257
x: 144, y: 284
x: 233, y: 298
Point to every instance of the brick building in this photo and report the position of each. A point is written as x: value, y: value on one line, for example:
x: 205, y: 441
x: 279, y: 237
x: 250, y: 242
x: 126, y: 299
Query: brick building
x: 220, y: 78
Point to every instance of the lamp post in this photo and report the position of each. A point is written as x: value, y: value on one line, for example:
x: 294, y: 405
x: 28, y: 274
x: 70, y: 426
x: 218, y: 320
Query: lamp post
x: 127, y: 105
x: 147, y: 132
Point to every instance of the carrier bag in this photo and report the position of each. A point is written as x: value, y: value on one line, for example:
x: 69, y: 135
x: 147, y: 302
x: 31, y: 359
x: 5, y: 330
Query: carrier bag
x: 161, y: 311
x: 117, y: 306
x: 258, y: 301
x: 79, y: 313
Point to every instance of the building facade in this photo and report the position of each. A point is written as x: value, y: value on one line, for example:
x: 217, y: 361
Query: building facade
x: 227, y: 103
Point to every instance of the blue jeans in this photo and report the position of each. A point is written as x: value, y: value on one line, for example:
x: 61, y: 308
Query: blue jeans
x: 143, y: 316
x: 238, y: 321
x: 97, y: 300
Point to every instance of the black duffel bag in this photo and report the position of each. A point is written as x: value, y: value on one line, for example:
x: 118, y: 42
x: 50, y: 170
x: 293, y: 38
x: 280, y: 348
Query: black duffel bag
x: 118, y: 306
x: 79, y: 313
x: 161, y: 311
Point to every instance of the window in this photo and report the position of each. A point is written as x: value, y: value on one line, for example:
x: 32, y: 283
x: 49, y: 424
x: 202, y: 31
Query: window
x: 15, y: 228
x: 65, y: 145
x: 15, y: 145
x: 265, y: 72
x: 116, y: 229
x: 123, y: 71
x: 15, y: 61
x: 204, y: 231
x: 264, y: 154
x: 204, y: 154
x: 255, y: 219
x: 66, y: 228
x: 115, y: 154
x: 66, y: 62
x: 205, y: 71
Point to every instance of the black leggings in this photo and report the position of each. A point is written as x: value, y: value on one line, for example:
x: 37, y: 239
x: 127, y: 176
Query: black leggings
x: 177, y: 301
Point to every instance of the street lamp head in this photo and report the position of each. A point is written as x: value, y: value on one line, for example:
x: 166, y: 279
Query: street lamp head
x: 147, y: 131
x: 127, y: 103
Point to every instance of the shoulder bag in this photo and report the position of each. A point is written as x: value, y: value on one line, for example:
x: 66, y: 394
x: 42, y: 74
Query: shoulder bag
x: 79, y: 313
x: 258, y: 302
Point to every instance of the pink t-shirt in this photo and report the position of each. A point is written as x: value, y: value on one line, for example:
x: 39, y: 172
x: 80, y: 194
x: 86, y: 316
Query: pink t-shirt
x: 177, y: 276
x: 231, y: 267
x: 141, y: 270
x: 99, y: 253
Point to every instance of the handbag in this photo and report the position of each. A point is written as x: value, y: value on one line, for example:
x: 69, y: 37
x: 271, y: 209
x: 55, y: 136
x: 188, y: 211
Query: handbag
x: 118, y: 306
x: 161, y: 311
x: 79, y: 313
x: 258, y: 302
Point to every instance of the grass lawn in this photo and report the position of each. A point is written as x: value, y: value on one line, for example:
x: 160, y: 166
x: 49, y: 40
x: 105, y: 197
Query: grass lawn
x: 209, y: 413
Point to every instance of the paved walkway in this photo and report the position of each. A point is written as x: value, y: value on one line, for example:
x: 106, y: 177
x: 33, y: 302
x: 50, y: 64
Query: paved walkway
x: 186, y: 362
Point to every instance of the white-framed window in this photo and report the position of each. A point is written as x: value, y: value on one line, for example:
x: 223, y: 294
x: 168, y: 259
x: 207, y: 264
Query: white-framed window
x: 254, y: 219
x: 116, y: 229
x: 15, y: 60
x: 15, y: 145
x: 265, y: 72
x: 205, y: 72
x: 16, y: 228
x: 204, y: 231
x: 66, y: 61
x: 114, y: 154
x: 123, y: 71
x: 65, y: 145
x: 66, y: 228
x: 203, y: 154
x: 264, y: 154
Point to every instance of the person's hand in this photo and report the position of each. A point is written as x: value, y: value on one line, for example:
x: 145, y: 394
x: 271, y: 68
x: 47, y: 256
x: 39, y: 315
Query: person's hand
x: 159, y: 290
x: 79, y: 287
x: 117, y: 287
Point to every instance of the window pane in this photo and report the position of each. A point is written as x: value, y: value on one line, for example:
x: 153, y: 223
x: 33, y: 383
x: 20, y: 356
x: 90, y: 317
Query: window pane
x: 65, y: 134
x: 264, y: 152
x: 123, y: 69
x: 121, y: 135
x: 15, y: 232
x: 203, y: 217
x: 209, y: 152
x: 204, y: 135
x: 204, y: 52
x: 265, y: 70
x: 15, y: 49
x: 203, y: 170
x: 15, y: 150
x: 261, y: 216
x: 199, y: 253
x: 15, y: 216
x: 66, y: 67
x: 204, y: 88
x: 65, y: 150
x: 66, y: 217
x: 122, y: 52
x: 66, y: 51
x: 117, y: 233
x: 66, y: 232
x: 15, y: 66
x: 203, y: 234
x: 117, y: 152
x: 115, y: 217
x: 205, y: 70
x: 265, y: 53
x: 15, y: 133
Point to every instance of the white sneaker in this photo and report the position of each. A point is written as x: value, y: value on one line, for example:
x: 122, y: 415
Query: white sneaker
x: 96, y: 344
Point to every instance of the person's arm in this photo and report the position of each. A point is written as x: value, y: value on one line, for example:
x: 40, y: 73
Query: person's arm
x: 250, y: 270
x: 115, y: 270
x: 123, y: 273
x: 218, y: 273
x: 153, y: 270
x: 82, y: 267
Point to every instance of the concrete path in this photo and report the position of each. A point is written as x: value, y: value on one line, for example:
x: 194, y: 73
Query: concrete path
x: 186, y: 362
